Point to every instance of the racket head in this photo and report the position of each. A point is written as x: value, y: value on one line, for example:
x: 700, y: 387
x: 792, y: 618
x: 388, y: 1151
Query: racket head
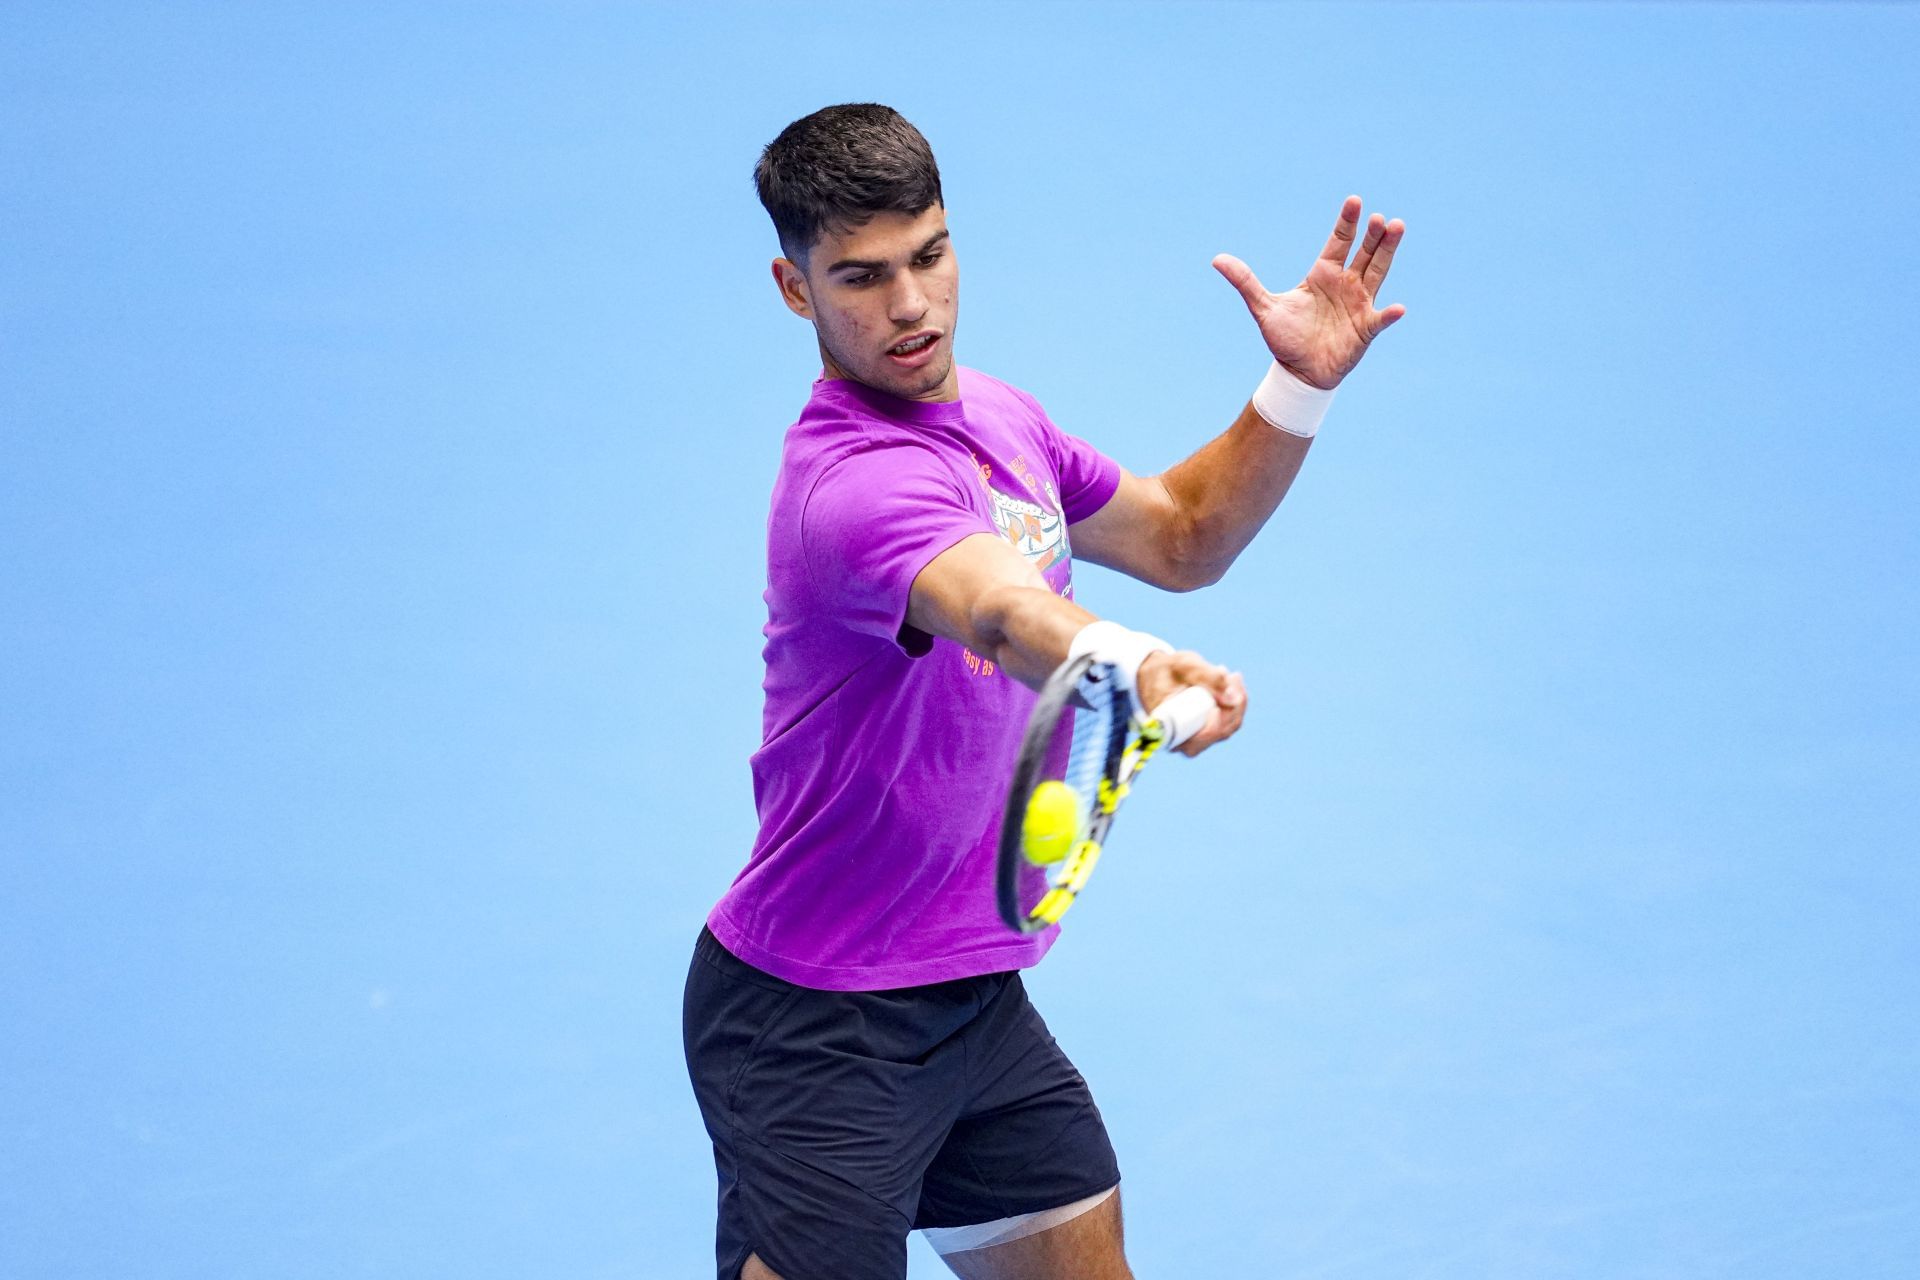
x: 1077, y: 735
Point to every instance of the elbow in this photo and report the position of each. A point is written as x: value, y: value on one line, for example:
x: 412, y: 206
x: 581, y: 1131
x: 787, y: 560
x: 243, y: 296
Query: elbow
x: 990, y: 615
x: 1189, y: 560
x: 1182, y: 577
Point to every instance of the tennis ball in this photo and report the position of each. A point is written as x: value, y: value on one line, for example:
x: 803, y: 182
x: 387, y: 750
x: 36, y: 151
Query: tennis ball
x: 1051, y: 824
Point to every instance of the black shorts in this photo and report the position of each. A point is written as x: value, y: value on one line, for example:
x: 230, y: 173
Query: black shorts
x: 841, y: 1120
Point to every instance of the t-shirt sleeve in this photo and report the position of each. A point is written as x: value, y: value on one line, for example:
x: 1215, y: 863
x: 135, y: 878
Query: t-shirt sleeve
x: 1088, y: 477
x: 871, y: 523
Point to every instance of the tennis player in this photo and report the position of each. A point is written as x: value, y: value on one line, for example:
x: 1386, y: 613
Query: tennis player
x: 862, y: 1049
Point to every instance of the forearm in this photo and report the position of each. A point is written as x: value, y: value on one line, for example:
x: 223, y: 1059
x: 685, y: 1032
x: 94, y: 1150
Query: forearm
x: 1218, y: 499
x: 1223, y: 494
x: 1031, y: 631
x: 1025, y: 629
x: 984, y: 595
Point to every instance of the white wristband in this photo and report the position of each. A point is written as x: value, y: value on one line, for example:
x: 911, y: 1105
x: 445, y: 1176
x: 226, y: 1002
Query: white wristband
x: 1290, y: 404
x: 1108, y: 641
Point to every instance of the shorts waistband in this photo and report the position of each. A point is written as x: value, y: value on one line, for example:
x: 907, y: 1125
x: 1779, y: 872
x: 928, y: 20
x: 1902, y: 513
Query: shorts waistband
x: 714, y: 952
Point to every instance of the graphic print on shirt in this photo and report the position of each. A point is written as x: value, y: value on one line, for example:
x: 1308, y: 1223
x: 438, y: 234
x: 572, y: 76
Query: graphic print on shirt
x: 1036, y: 529
x: 1036, y: 533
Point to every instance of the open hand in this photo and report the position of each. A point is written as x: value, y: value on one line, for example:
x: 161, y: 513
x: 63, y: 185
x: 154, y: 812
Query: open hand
x: 1319, y: 329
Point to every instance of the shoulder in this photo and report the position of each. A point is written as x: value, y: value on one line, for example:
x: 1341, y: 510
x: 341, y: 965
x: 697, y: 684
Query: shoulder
x: 1022, y: 424
x: 1018, y: 415
x: 839, y: 431
x: 985, y: 389
x: 872, y: 476
x: 866, y: 460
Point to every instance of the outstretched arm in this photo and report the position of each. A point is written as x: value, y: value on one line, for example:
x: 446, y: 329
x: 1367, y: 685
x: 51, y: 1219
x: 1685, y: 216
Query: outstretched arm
x: 1183, y: 528
x: 984, y: 594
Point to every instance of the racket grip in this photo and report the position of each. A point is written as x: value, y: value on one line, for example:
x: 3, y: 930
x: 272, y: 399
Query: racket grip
x: 1185, y: 713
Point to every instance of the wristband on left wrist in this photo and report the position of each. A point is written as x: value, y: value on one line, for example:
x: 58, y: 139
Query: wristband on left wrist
x: 1287, y: 403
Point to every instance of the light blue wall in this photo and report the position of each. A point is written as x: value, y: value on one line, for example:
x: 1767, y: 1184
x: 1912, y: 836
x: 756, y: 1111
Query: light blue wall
x: 389, y: 397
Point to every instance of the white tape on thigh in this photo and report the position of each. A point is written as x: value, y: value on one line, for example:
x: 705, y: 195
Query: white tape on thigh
x: 984, y: 1235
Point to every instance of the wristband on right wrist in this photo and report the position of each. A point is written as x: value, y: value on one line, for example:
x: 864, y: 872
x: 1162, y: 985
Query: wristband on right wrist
x: 1290, y: 404
x: 1126, y: 649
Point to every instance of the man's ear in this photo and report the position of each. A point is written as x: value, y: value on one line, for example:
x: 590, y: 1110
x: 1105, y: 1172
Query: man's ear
x: 793, y: 287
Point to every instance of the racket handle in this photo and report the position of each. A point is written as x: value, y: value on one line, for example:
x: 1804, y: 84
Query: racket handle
x: 1185, y: 714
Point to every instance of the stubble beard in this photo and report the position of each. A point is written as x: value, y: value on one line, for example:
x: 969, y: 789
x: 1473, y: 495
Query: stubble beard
x: 881, y: 378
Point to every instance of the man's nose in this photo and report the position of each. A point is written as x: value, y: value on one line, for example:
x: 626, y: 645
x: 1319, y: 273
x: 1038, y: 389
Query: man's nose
x: 909, y: 300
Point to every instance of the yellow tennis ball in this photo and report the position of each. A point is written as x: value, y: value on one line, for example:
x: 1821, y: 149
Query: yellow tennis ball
x: 1051, y: 824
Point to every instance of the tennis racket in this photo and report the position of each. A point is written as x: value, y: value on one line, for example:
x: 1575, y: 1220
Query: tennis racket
x: 1085, y: 743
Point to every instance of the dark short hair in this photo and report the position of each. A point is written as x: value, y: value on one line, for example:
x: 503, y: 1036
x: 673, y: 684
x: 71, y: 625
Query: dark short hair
x: 835, y: 169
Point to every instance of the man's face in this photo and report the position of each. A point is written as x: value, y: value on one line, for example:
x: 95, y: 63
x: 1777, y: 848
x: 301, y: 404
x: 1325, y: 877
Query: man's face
x: 883, y: 298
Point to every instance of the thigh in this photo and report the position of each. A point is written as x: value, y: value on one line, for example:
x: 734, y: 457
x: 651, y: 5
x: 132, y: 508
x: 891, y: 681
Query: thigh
x: 1029, y: 1137
x: 824, y: 1109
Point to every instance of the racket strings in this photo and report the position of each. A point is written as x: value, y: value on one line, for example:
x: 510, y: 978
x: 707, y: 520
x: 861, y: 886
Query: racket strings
x: 1091, y: 743
x: 1078, y: 754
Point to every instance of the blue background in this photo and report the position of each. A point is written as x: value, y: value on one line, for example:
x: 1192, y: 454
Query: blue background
x: 389, y: 399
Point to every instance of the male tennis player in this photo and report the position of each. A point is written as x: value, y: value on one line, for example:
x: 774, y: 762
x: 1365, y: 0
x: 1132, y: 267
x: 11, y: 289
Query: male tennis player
x: 862, y: 1049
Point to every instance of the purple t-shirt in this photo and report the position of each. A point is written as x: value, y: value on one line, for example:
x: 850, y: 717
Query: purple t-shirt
x: 886, y: 752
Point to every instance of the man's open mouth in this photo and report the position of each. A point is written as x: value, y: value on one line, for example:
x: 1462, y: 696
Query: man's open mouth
x: 912, y: 345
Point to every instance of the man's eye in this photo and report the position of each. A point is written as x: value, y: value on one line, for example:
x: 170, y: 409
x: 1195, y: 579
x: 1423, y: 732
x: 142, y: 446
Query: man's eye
x: 928, y: 259
x: 861, y: 280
